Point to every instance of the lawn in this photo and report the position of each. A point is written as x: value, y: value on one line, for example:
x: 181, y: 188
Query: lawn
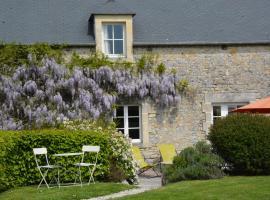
x: 233, y: 188
x: 67, y: 193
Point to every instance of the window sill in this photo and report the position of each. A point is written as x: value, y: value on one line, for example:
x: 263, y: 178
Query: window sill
x: 136, y: 141
x: 115, y: 56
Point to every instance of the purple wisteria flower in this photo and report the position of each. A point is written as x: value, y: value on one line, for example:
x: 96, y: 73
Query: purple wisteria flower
x: 45, y: 95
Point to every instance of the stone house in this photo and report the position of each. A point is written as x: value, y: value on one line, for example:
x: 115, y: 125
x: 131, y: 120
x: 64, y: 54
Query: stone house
x: 221, y: 47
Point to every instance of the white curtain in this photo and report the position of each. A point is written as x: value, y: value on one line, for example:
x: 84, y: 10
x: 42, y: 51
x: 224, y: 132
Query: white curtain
x: 107, y: 34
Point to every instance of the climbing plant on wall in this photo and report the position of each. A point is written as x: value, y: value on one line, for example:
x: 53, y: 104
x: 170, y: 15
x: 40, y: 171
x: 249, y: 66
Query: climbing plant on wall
x: 46, y: 93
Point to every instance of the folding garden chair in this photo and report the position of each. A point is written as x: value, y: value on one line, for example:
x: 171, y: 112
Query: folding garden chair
x: 47, y: 166
x: 91, y: 165
x: 144, y: 166
x: 167, y: 153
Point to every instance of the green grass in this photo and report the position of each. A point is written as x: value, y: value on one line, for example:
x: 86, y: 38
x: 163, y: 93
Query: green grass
x: 228, y: 188
x: 65, y: 193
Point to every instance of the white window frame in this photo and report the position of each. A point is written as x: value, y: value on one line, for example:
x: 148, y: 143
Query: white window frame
x: 225, y: 108
x: 126, y: 124
x: 113, y: 39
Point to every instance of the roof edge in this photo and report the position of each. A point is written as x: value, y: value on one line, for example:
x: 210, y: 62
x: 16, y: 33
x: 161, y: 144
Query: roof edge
x: 93, y: 14
x: 133, y: 14
x: 200, y: 43
x: 144, y: 44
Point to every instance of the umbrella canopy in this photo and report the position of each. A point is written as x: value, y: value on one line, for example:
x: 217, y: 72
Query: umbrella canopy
x: 259, y: 106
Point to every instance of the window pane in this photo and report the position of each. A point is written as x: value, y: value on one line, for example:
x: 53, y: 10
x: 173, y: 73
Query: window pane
x: 134, y: 133
x: 133, y: 122
x: 108, y: 31
x: 216, y: 110
x: 118, y: 31
x: 120, y: 111
x: 215, y: 119
x: 108, y: 46
x: 119, y: 122
x: 133, y: 111
x: 118, y: 47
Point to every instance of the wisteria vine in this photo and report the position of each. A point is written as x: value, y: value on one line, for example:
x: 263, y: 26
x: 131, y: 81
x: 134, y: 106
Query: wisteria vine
x: 36, y: 96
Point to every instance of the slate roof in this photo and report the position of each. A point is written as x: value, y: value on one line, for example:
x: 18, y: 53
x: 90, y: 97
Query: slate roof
x: 112, y: 7
x: 157, y: 22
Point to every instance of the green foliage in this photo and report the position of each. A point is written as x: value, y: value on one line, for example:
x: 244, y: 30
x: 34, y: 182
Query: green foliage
x: 243, y: 141
x: 122, y: 165
x: 17, y: 164
x: 194, y: 163
x: 122, y: 64
x: 94, y: 60
x: 161, y: 68
x: 184, y: 88
x: 182, y: 85
x: 173, y: 71
x: 15, y: 55
x: 146, y: 62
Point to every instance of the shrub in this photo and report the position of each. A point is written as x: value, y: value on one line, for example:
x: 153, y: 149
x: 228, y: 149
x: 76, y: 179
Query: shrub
x: 243, y: 141
x: 194, y: 163
x: 17, y: 163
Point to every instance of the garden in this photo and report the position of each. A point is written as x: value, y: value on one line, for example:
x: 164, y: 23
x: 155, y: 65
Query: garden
x: 47, y: 101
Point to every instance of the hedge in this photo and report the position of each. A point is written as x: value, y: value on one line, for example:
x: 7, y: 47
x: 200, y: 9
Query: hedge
x: 243, y: 141
x: 17, y: 164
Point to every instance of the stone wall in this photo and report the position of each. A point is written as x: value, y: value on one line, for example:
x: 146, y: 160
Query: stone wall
x: 218, y: 75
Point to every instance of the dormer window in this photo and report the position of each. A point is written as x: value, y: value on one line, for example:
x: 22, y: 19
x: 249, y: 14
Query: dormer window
x: 114, y: 39
x: 114, y: 34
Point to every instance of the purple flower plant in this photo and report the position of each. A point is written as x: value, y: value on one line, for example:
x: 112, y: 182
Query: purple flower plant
x: 44, y: 95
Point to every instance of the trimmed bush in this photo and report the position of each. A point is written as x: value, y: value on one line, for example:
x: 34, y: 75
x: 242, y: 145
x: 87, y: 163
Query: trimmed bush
x: 194, y: 163
x: 17, y: 164
x: 243, y: 141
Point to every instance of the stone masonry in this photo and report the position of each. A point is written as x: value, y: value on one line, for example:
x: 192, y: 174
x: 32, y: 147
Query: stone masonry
x: 217, y: 74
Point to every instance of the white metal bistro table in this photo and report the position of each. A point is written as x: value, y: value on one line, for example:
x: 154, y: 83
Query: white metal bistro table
x: 59, y: 155
x: 68, y: 154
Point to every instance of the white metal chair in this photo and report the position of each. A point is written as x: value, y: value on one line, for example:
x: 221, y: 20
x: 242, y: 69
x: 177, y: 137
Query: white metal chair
x: 91, y: 165
x: 47, y: 167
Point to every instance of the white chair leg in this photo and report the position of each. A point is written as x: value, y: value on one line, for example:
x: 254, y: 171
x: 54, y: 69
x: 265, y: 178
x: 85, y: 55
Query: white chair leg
x: 75, y: 181
x: 58, y: 177
x: 77, y: 175
x: 89, y: 175
x: 80, y: 175
x: 91, y: 172
x: 55, y: 177
x: 43, y: 178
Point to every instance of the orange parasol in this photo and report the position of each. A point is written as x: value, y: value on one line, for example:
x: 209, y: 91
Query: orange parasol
x: 259, y: 106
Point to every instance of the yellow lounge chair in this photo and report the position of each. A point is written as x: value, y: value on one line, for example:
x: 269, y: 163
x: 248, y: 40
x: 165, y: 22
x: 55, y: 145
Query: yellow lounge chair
x: 167, y: 153
x: 144, y: 166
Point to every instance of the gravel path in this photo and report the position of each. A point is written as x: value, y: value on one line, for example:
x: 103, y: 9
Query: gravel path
x: 145, y: 184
